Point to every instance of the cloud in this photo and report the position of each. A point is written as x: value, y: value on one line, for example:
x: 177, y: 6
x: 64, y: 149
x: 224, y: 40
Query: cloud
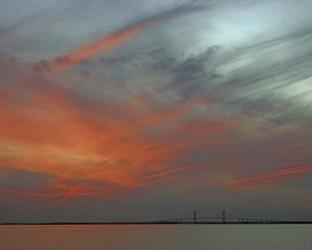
x: 107, y: 43
x: 104, y: 99
x: 21, y: 179
x: 268, y: 179
x: 66, y: 136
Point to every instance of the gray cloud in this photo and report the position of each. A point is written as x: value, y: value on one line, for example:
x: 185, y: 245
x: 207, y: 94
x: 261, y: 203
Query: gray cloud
x: 22, y: 179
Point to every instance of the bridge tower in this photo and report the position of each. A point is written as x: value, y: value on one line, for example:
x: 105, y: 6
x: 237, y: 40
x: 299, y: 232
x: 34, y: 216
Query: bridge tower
x: 195, y: 216
x: 223, y: 216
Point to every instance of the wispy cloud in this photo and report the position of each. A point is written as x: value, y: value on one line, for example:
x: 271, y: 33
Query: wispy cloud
x: 67, y: 142
x: 102, y: 98
x: 267, y: 179
x: 107, y: 43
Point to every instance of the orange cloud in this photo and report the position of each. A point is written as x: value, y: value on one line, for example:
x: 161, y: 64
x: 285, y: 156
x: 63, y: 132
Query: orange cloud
x: 266, y: 179
x: 48, y: 130
x: 55, y: 135
x: 103, y: 45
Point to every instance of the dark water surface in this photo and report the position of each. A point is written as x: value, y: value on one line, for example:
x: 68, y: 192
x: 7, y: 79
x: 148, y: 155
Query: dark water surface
x: 157, y: 237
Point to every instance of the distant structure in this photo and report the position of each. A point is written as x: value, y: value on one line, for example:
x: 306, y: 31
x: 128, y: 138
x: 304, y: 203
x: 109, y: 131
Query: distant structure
x: 195, y: 216
x: 223, y: 216
x: 190, y: 218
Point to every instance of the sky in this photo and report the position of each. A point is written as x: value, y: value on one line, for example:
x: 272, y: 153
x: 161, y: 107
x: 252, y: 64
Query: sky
x: 137, y: 110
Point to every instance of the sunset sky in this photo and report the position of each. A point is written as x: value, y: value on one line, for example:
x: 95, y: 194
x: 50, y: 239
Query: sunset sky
x: 133, y: 110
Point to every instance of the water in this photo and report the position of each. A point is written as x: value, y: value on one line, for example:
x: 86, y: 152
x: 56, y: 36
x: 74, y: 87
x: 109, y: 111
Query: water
x: 157, y: 237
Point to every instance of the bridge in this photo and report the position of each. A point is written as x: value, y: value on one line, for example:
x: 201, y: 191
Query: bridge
x: 193, y: 218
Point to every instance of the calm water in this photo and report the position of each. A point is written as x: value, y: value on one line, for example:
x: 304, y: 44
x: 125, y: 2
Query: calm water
x: 158, y: 237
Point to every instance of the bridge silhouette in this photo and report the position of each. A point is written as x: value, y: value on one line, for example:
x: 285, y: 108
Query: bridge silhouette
x: 193, y: 218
